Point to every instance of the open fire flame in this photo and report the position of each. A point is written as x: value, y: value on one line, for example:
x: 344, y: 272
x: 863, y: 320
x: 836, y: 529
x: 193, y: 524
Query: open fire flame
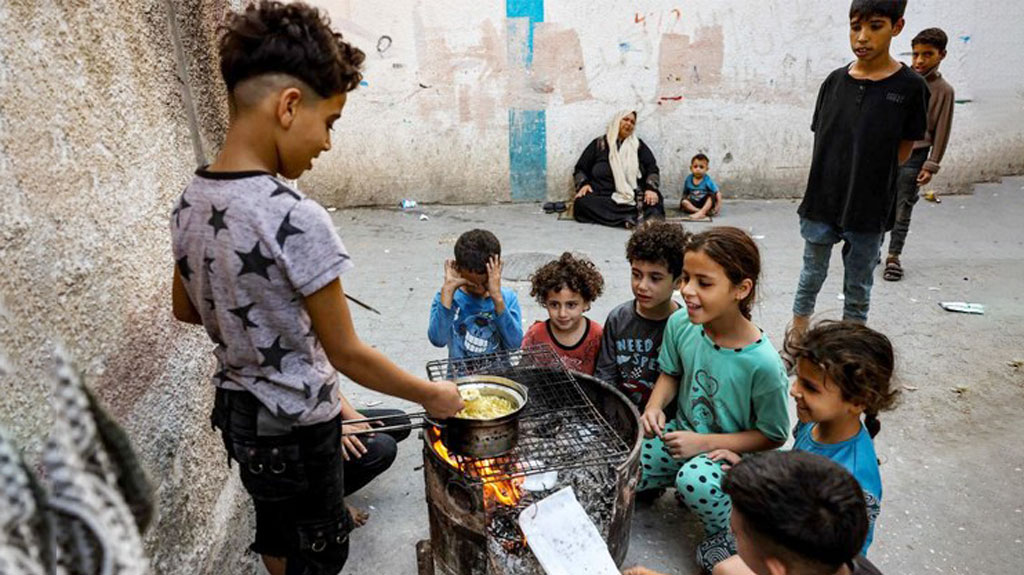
x: 506, y: 493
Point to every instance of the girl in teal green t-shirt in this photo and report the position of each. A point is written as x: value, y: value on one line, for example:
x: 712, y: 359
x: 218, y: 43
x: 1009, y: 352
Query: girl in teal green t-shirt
x: 730, y: 381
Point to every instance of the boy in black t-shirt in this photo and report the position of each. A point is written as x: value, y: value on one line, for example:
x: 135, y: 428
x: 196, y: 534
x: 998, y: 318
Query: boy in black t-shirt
x: 866, y: 120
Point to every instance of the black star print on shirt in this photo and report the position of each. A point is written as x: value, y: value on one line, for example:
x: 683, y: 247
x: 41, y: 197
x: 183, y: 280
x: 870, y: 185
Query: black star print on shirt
x: 307, y: 390
x: 325, y: 395
x: 210, y: 301
x: 207, y: 262
x: 217, y: 220
x: 222, y: 376
x: 243, y: 314
x: 254, y: 262
x: 287, y: 229
x: 284, y: 414
x: 183, y: 204
x: 282, y: 189
x: 183, y: 269
x: 273, y: 355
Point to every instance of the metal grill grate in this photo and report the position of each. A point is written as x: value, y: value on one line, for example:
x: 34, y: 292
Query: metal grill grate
x: 560, y: 427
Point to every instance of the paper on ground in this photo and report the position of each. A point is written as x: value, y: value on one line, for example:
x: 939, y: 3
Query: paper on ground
x: 563, y: 538
x: 963, y: 307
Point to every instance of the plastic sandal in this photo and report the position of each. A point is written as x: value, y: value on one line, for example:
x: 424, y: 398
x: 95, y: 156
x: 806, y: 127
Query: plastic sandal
x: 893, y: 271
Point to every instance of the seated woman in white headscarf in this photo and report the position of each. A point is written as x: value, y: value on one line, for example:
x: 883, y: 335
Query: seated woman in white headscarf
x: 615, y: 172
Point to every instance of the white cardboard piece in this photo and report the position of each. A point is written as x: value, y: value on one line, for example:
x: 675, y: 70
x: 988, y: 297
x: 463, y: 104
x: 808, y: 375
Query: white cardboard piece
x: 562, y: 537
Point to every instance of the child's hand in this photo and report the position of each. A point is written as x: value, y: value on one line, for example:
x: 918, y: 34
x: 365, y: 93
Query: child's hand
x: 444, y: 400
x: 651, y: 198
x: 351, y: 446
x: 586, y: 189
x: 730, y: 457
x: 923, y: 177
x: 453, y: 280
x: 653, y: 421
x: 684, y: 444
x: 494, y: 278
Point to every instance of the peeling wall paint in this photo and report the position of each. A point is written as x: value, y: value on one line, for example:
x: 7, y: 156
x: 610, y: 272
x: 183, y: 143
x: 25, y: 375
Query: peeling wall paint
x: 95, y: 144
x: 735, y: 80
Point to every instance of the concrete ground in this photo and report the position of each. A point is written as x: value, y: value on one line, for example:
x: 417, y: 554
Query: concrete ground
x: 953, y: 464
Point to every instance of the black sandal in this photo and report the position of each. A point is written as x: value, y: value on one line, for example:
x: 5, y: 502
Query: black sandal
x: 893, y: 270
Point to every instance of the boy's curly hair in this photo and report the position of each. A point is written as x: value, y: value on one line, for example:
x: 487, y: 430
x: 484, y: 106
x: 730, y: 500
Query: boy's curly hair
x: 658, y: 241
x: 293, y: 39
x: 576, y: 273
x: 856, y: 358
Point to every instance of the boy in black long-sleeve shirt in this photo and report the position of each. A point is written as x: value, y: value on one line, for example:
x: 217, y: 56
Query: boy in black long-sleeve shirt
x: 867, y: 117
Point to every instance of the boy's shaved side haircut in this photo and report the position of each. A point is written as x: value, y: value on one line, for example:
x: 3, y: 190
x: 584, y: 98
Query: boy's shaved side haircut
x: 288, y: 40
x: 799, y: 507
x: 891, y: 9
x: 931, y: 36
x: 659, y: 242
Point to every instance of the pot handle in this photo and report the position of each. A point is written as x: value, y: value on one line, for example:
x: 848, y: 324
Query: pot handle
x: 436, y: 424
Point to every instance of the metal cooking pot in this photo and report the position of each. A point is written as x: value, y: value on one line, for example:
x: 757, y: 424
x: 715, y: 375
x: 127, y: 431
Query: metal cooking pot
x: 476, y: 438
x: 480, y: 438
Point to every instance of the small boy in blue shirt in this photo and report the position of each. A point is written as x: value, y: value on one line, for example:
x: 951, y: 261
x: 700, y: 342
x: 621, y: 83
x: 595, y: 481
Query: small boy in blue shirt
x: 701, y: 196
x: 472, y: 314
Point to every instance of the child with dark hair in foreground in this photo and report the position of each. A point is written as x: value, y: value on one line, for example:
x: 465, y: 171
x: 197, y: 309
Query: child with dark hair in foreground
x: 258, y: 265
x: 794, y: 513
x: 472, y: 314
x: 566, y: 287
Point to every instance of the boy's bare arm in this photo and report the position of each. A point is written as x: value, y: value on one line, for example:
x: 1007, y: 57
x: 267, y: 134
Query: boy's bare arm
x: 640, y: 571
x: 180, y: 304
x: 653, y: 417
x: 332, y: 323
x: 906, y: 148
x: 740, y: 442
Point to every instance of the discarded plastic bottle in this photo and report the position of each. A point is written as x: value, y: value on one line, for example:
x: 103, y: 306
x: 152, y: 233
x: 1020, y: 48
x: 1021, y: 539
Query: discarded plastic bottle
x: 406, y: 204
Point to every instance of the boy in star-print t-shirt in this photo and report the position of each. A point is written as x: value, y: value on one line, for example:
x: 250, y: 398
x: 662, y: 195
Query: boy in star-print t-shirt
x: 248, y: 264
x: 258, y: 265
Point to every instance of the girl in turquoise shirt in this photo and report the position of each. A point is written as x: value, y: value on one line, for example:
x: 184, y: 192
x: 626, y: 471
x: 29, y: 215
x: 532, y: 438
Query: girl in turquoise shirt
x: 729, y: 379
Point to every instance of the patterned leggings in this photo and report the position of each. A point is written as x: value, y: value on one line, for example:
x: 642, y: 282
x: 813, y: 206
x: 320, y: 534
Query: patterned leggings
x: 698, y: 481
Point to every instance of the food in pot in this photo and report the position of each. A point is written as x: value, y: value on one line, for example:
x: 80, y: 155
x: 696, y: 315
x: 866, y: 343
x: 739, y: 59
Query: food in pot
x: 480, y: 406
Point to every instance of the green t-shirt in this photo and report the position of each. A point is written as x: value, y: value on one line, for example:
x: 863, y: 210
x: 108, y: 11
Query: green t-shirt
x: 725, y: 390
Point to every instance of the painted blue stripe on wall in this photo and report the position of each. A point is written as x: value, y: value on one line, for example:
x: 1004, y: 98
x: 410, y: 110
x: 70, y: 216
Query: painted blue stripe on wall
x: 527, y: 154
x: 527, y: 129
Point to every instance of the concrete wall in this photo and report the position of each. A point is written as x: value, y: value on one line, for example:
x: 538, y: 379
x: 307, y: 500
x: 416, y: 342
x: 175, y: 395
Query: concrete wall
x: 463, y: 104
x: 96, y: 143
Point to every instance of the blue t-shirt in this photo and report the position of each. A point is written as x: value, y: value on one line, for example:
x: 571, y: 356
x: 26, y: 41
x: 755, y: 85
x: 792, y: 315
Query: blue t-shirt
x: 472, y: 328
x: 857, y: 455
x: 697, y: 192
